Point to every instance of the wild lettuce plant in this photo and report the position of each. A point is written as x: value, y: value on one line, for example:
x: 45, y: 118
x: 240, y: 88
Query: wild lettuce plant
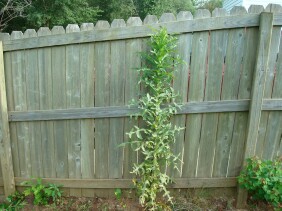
x: 157, y: 107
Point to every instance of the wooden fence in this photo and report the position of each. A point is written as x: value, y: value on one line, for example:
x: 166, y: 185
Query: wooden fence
x: 65, y: 95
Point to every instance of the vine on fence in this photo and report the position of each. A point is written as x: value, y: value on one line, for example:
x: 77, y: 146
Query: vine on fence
x: 153, y: 141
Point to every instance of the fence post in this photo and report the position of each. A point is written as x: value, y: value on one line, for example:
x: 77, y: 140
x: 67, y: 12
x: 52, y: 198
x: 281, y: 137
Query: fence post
x: 258, y: 85
x: 5, y: 146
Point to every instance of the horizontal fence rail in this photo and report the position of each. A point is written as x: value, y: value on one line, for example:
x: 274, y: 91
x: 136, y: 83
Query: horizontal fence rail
x: 115, y: 111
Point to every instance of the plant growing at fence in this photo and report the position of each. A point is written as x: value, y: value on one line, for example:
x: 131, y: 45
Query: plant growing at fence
x: 43, y: 194
x: 15, y: 202
x: 153, y: 141
x: 263, y: 180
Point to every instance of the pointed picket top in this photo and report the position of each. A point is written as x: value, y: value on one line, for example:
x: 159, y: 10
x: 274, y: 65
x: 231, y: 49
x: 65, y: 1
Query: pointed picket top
x: 167, y: 17
x: 58, y: 30
x: 150, y: 19
x: 4, y: 36
x: 202, y: 13
x: 118, y: 23
x: 30, y: 33
x: 219, y: 12
x: 87, y: 26
x: 134, y: 21
x: 274, y: 8
x: 72, y: 28
x: 102, y: 25
x: 184, y: 15
x: 255, y: 9
x: 16, y: 35
x: 43, y: 31
x: 238, y: 10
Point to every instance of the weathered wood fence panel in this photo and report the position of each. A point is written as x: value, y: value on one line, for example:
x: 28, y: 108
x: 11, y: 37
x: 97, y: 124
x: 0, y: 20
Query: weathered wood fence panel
x: 68, y: 93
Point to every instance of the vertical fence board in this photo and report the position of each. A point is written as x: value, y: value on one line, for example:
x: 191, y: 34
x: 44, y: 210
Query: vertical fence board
x: 102, y: 98
x: 195, y: 94
x: 273, y: 137
x: 230, y: 86
x: 258, y: 86
x: 73, y: 101
x: 133, y: 61
x: 87, y: 77
x: 241, y: 118
x: 32, y: 100
x: 5, y: 140
x: 46, y: 103
x: 10, y: 101
x: 19, y: 90
x: 180, y: 85
x: 268, y: 141
x: 117, y: 78
x: 212, y: 93
x: 59, y: 102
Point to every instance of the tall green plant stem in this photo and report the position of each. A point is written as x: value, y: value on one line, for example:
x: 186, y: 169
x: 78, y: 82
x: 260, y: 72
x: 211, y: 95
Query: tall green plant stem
x: 153, y: 140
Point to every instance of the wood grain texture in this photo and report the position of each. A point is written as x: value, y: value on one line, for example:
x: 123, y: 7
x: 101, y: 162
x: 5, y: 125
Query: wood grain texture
x: 262, y: 140
x: 33, y: 103
x: 259, y: 79
x: 73, y: 93
x: 19, y: 90
x: 258, y: 87
x: 270, y: 124
x: 217, y: 50
x: 10, y: 102
x: 180, y: 85
x: 117, y: 79
x: 46, y: 103
x: 123, y: 111
x: 58, y: 57
x: 195, y: 94
x: 102, y: 98
x: 230, y: 87
x: 87, y: 78
x: 5, y: 140
x: 133, y: 48
x: 248, y: 64
x: 273, y: 141
x: 184, y: 26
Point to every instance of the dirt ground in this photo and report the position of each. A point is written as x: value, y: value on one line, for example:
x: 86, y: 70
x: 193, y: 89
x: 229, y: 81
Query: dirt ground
x: 189, y: 200
x: 192, y: 200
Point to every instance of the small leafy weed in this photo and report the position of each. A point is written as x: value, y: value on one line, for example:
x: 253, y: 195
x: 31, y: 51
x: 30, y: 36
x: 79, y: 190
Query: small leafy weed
x: 263, y: 180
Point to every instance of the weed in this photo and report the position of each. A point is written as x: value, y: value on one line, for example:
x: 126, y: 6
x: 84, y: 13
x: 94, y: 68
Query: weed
x: 43, y: 194
x: 263, y: 180
x: 153, y: 140
x: 15, y: 202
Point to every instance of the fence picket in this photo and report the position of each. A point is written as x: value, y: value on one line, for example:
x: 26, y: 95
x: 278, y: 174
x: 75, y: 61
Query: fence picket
x: 46, y: 103
x: 180, y: 85
x: 268, y: 141
x: 230, y: 86
x: 19, y: 90
x: 195, y: 93
x: 11, y: 106
x: 32, y: 101
x: 216, y: 55
x: 132, y: 88
x: 241, y: 118
x: 117, y: 78
x: 73, y: 94
x: 87, y: 77
x: 102, y: 98
x: 58, y: 59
